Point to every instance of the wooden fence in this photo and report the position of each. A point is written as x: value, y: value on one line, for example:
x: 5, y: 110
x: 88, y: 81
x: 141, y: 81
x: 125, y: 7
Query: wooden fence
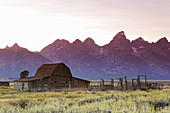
x: 124, y: 84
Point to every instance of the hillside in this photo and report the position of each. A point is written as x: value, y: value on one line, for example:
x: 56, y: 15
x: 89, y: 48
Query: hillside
x: 118, y: 58
x: 15, y: 59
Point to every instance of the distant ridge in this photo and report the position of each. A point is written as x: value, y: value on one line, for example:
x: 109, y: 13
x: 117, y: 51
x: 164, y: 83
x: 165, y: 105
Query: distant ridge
x: 15, y: 59
x: 120, y: 57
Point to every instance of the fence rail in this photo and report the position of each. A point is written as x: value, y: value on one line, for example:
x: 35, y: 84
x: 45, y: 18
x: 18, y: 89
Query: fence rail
x: 124, y: 84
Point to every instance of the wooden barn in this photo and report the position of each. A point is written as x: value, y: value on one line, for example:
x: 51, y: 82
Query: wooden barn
x: 51, y: 77
x: 4, y: 82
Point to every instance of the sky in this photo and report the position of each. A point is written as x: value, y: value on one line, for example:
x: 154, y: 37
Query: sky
x: 34, y: 24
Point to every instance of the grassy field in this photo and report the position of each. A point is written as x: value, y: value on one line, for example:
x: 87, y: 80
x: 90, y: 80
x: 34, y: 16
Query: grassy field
x: 12, y: 101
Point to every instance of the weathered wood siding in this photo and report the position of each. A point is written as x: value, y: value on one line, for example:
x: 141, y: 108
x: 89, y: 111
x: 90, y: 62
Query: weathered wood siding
x: 80, y: 84
x: 21, y: 86
x: 60, y: 82
x: 53, y: 83
x: 4, y: 84
x: 62, y: 71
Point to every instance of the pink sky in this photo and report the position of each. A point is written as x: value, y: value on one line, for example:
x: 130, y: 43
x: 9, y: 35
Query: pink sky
x: 36, y: 23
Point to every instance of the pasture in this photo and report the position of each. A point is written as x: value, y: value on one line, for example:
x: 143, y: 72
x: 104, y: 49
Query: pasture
x: 111, y: 101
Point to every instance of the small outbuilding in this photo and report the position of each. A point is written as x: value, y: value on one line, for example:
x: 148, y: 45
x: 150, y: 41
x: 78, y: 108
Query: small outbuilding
x: 51, y: 77
x: 4, y: 82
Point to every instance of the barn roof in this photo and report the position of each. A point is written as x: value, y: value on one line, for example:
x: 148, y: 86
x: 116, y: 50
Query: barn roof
x: 46, y: 70
x: 81, y: 79
x: 4, y: 79
x: 26, y: 79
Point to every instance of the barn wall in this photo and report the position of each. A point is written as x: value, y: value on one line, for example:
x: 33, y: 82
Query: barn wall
x: 80, y: 84
x: 50, y: 83
x: 4, y: 84
x: 42, y: 84
x: 59, y: 83
x: 21, y: 86
x: 55, y: 83
x: 32, y: 85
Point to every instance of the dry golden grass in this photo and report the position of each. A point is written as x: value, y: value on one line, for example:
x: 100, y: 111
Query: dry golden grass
x: 85, y: 101
x: 11, y: 85
x: 166, y: 87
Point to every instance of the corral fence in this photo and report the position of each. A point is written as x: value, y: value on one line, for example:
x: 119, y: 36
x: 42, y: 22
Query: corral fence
x: 124, y: 84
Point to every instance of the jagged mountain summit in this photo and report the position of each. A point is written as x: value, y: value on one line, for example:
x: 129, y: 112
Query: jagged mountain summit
x: 120, y: 57
x: 15, y: 59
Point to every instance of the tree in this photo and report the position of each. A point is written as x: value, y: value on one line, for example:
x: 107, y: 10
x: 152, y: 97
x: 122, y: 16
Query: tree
x: 24, y: 74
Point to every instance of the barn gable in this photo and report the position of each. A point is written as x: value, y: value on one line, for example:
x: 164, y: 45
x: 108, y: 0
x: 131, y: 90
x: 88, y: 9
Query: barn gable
x: 55, y: 70
x: 62, y: 71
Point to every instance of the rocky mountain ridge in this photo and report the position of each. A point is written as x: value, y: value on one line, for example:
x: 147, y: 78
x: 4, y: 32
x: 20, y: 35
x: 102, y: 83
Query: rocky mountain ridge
x: 16, y: 59
x: 120, y: 57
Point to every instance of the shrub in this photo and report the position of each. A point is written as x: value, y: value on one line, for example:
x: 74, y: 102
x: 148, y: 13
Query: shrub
x: 21, y: 103
x: 79, y: 92
x: 160, y: 104
x: 93, y: 92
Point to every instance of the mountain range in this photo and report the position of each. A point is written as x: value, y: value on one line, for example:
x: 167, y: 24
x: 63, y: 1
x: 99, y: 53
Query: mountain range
x: 120, y: 57
x: 16, y: 59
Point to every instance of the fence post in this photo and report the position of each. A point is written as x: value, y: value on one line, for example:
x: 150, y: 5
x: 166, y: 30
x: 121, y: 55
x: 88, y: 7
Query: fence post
x: 112, y: 82
x: 102, y: 84
x: 121, y: 83
x: 126, y: 88
x: 133, y: 84
x: 139, y: 85
x: 145, y: 79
